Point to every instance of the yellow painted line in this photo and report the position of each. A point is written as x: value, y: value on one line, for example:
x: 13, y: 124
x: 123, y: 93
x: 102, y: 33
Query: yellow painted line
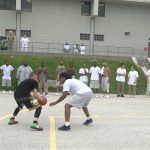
x: 52, y: 133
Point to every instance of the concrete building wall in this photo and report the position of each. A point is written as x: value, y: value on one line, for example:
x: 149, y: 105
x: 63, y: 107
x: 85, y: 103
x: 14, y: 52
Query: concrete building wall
x: 59, y: 21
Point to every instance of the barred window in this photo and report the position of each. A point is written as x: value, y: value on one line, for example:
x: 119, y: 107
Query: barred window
x: 99, y: 37
x: 8, y: 4
x: 84, y: 36
x: 26, y: 5
x: 25, y: 32
x: 85, y: 8
x: 101, y: 9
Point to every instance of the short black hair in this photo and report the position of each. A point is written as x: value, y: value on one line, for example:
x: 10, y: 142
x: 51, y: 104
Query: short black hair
x: 65, y: 75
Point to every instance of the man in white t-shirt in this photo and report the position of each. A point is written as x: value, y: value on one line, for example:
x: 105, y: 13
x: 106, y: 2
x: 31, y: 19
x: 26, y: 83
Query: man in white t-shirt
x: 24, y: 43
x: 81, y: 95
x: 66, y: 47
x: 82, y: 49
x: 132, y: 81
x: 148, y: 82
x: 120, y: 78
x: 83, y: 72
x: 6, y: 78
x: 95, y: 75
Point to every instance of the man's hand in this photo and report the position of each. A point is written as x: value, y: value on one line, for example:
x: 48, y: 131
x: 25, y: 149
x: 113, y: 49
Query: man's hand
x: 52, y: 104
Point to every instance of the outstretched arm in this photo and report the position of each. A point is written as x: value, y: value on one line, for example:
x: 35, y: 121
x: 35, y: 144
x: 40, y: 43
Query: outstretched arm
x: 61, y: 98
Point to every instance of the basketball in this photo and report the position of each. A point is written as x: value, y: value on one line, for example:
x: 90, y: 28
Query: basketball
x: 42, y: 101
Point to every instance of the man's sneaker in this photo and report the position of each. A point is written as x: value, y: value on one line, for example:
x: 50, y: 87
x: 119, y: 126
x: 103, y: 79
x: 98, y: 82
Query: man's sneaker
x: 35, y: 126
x: 88, y: 121
x: 122, y: 96
x: 64, y: 128
x: 12, y: 121
x: 4, y: 92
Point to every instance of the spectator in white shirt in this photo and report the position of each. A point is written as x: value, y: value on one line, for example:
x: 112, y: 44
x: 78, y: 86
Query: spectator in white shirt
x: 66, y: 47
x: 23, y: 72
x: 24, y: 43
x: 121, y: 73
x: 6, y: 78
x: 132, y: 81
x: 95, y: 75
x: 82, y: 49
x: 76, y: 48
x: 148, y: 82
x: 83, y: 72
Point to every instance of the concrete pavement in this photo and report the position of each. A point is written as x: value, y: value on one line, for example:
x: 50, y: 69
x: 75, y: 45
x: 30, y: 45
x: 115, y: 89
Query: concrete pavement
x: 119, y: 124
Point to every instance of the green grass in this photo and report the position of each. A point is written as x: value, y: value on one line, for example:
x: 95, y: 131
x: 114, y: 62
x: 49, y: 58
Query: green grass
x: 52, y: 62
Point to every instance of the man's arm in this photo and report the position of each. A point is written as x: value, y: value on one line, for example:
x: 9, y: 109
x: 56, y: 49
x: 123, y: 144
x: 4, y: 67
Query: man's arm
x: 61, y: 98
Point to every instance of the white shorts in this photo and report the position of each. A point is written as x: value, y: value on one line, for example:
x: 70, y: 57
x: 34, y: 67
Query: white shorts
x: 80, y: 101
x: 6, y: 82
x: 105, y: 84
x: 94, y: 84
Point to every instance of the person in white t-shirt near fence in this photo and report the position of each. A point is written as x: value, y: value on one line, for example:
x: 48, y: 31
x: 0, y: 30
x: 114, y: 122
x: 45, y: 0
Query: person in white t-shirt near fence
x: 132, y: 81
x: 83, y: 72
x: 95, y: 76
x: 148, y: 82
x: 81, y: 95
x: 120, y: 78
x: 24, y: 43
x: 66, y: 48
x: 82, y: 49
x: 6, y: 78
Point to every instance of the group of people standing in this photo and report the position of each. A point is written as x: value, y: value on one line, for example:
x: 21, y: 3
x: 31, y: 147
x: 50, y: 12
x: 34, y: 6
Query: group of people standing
x: 77, y: 49
x: 95, y: 77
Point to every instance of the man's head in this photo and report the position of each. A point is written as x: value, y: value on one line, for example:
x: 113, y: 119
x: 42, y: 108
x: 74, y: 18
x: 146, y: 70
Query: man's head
x: 33, y: 75
x: 63, y: 77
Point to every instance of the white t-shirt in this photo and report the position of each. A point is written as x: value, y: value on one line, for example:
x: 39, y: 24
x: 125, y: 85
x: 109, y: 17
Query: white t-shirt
x: 148, y: 75
x: 67, y: 47
x: 82, y: 49
x: 83, y: 78
x: 95, y: 72
x: 132, y: 75
x: 6, y: 71
x: 74, y: 86
x: 121, y: 77
x: 24, y: 41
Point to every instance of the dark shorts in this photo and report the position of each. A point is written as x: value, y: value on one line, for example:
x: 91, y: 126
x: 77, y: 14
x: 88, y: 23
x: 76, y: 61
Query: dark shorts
x: 28, y: 102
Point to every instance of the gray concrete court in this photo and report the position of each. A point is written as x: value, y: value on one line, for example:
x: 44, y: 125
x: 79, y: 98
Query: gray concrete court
x: 119, y: 124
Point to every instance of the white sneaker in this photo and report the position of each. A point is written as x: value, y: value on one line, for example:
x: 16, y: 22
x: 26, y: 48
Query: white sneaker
x: 96, y: 96
x: 4, y: 92
x: 10, y: 92
x: 107, y: 96
x: 56, y: 94
x: 47, y: 95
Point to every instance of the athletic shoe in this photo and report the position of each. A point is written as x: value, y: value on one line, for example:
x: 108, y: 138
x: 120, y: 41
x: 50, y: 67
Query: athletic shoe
x: 88, y: 121
x: 64, y: 128
x: 107, y: 96
x: 10, y: 91
x: 35, y: 126
x: 4, y: 92
x: 56, y: 94
x: 122, y: 96
x: 12, y: 121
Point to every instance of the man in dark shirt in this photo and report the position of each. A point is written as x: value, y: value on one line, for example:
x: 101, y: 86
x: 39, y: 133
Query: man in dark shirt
x: 26, y: 94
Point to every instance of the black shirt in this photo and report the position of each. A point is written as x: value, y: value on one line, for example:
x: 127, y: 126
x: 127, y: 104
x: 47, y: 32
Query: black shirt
x: 25, y: 87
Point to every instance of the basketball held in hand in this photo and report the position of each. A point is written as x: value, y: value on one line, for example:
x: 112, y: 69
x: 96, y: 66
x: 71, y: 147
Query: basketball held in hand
x: 42, y: 100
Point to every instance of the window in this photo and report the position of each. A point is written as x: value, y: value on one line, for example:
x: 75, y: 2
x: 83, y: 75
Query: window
x: 25, y: 32
x: 99, y: 37
x: 26, y: 5
x: 85, y: 8
x: 101, y: 10
x: 84, y: 36
x: 8, y: 4
x: 10, y: 30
